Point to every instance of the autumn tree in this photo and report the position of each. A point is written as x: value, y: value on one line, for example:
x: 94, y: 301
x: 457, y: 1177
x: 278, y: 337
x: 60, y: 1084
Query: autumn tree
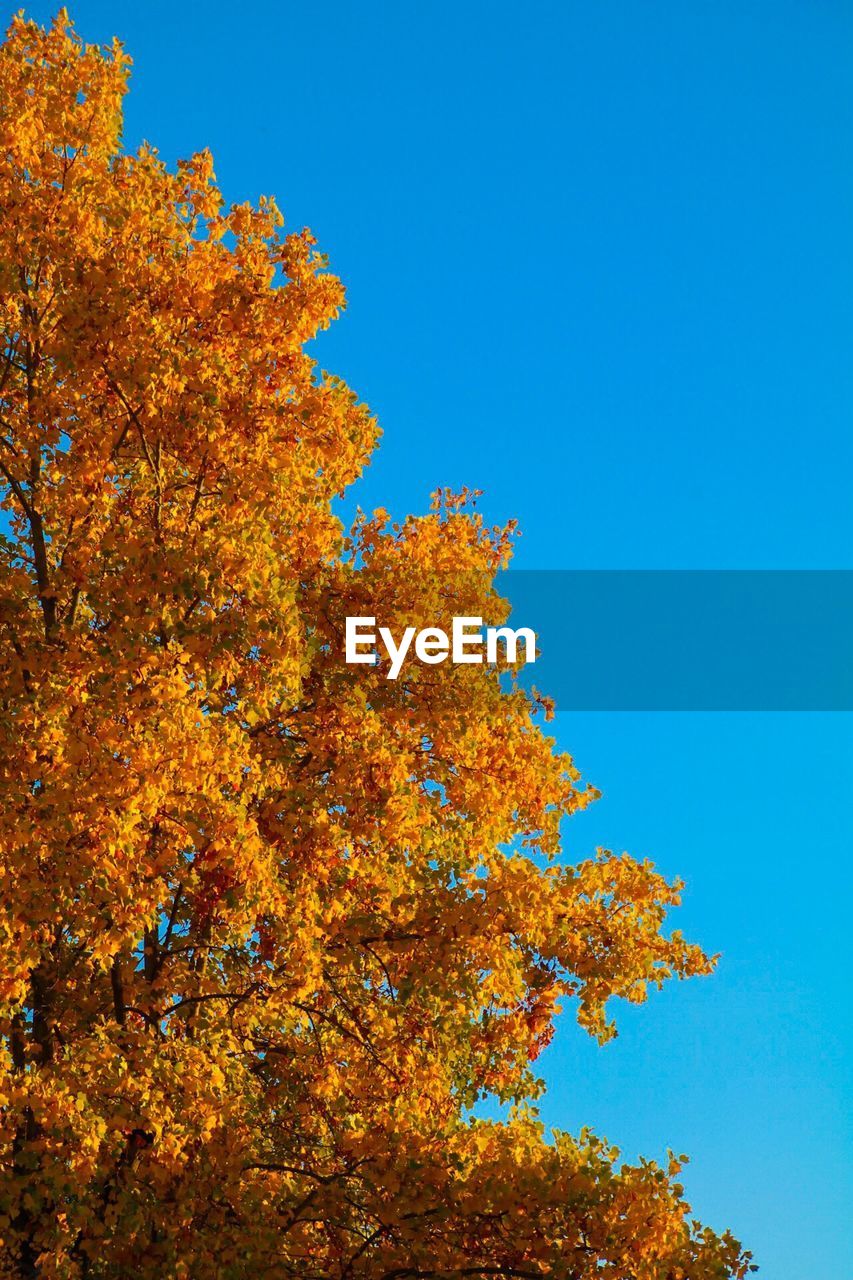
x: 270, y: 926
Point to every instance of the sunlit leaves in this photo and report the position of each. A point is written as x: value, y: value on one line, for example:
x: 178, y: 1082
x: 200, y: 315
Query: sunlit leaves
x: 269, y: 926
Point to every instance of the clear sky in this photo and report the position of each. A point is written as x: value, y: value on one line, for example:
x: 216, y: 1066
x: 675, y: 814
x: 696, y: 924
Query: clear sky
x: 599, y: 260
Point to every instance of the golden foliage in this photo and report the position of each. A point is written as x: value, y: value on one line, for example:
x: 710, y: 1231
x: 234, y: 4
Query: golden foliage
x: 269, y: 928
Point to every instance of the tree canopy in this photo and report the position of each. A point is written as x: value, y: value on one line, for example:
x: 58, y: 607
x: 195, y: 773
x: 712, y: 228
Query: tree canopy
x: 270, y: 927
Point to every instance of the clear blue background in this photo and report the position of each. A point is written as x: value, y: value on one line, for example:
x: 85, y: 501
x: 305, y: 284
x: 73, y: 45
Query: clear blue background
x: 599, y: 260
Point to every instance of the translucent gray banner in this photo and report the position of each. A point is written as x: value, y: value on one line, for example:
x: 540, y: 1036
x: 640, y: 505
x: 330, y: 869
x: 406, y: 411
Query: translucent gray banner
x: 673, y: 640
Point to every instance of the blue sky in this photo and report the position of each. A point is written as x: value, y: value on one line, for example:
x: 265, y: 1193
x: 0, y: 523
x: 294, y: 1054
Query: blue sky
x: 599, y: 261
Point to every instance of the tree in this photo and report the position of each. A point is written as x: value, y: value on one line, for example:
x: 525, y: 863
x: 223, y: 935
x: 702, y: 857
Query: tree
x: 270, y: 926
